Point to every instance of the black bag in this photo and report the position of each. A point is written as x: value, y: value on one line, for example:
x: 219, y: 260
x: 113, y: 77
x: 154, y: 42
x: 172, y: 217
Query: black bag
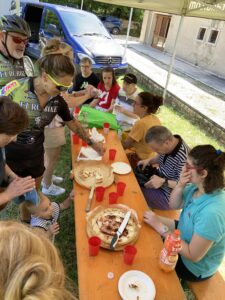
x: 143, y: 176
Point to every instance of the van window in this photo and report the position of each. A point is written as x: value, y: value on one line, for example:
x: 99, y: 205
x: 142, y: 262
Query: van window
x: 51, y: 18
x: 81, y: 24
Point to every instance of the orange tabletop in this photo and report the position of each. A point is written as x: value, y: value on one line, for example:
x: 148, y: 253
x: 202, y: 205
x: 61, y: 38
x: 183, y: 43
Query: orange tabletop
x: 93, y: 281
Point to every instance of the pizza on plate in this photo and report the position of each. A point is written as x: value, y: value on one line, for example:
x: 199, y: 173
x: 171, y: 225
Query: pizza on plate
x: 91, y: 172
x: 105, y: 221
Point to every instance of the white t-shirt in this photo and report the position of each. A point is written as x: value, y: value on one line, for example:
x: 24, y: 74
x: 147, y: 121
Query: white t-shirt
x: 127, y: 103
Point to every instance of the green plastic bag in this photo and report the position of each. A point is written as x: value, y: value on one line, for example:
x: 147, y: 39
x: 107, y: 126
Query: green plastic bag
x: 97, y: 118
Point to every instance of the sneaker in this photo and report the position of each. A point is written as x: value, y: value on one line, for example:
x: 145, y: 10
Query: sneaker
x: 53, y: 190
x: 57, y: 179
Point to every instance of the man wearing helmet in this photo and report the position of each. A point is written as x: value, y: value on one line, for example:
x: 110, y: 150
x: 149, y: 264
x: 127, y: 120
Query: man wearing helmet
x: 14, y: 35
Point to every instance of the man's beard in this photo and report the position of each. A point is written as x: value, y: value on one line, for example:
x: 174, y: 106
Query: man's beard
x: 17, y: 54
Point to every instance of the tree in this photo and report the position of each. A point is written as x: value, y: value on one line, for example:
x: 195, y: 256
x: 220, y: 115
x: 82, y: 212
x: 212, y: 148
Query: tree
x: 102, y: 8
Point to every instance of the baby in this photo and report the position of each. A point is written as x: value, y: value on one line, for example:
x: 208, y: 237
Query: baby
x: 44, y: 216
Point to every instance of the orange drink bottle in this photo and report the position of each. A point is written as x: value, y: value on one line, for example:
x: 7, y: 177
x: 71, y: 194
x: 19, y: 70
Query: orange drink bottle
x: 169, y: 254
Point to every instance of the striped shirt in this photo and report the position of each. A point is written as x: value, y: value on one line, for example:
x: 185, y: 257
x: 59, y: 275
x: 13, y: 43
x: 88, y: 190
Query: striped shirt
x: 170, y: 165
x: 43, y: 223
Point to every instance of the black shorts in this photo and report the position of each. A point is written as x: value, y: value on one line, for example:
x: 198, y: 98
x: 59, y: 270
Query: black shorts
x: 34, y: 168
x: 185, y: 274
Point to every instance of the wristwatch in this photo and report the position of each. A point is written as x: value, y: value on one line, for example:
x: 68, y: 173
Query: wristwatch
x: 164, y: 230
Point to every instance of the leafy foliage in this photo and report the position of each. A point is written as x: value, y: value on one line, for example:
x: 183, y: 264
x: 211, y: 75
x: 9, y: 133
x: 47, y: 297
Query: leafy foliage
x: 102, y: 9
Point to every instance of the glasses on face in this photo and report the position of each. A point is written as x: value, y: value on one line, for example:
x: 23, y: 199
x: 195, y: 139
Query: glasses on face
x: 189, y: 167
x: 60, y: 87
x: 18, y: 40
x: 85, y: 67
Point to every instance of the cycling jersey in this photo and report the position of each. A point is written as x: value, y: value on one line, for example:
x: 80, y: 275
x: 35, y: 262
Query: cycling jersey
x: 10, y: 70
x: 29, y: 144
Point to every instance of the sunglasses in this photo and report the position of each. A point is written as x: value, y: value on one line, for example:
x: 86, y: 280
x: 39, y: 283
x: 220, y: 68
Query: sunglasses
x: 189, y: 167
x: 18, y: 40
x: 60, y: 87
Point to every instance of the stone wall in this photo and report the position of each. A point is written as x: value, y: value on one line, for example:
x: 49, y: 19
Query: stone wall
x: 194, y: 116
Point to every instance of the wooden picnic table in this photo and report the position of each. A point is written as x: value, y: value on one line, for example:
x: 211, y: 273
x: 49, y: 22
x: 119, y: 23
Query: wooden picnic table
x: 93, y: 280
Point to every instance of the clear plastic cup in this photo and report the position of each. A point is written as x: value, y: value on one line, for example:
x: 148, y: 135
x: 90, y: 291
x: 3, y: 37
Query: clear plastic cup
x: 94, y: 243
x: 106, y: 127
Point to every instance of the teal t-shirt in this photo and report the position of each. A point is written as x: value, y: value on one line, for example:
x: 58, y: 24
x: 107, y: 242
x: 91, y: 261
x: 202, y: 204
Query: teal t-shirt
x: 204, y: 216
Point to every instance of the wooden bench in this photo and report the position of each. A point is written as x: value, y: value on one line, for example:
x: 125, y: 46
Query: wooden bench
x: 213, y: 288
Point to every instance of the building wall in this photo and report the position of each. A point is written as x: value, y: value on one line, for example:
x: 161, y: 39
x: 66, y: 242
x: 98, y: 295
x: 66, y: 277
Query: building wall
x: 200, y: 53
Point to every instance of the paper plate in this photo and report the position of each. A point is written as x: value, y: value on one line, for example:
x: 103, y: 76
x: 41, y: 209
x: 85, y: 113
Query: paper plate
x: 135, y: 285
x: 121, y: 168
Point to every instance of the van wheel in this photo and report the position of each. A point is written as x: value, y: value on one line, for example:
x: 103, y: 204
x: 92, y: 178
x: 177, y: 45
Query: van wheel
x: 115, y: 30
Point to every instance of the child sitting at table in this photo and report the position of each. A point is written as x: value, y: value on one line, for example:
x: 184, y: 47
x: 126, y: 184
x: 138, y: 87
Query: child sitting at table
x: 44, y: 216
x: 108, y: 89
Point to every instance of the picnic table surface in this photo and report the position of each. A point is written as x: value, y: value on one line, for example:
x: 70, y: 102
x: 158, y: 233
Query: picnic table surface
x: 93, y: 280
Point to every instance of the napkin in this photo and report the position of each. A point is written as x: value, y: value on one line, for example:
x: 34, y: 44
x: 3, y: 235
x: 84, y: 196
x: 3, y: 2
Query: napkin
x: 96, y: 136
x: 87, y: 153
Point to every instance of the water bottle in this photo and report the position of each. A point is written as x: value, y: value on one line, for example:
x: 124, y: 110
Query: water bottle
x: 119, y: 133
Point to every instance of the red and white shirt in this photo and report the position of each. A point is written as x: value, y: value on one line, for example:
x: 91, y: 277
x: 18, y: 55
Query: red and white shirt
x: 107, y: 96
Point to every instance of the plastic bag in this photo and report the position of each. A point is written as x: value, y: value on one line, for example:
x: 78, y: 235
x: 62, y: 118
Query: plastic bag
x: 97, y: 118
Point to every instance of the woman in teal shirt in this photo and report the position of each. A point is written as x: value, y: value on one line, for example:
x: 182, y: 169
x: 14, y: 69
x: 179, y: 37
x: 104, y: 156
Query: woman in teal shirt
x: 200, y: 193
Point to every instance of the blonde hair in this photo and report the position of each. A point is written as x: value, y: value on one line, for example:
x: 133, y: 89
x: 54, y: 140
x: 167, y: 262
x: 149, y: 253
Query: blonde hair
x: 30, y: 265
x: 55, y: 46
x: 56, y: 59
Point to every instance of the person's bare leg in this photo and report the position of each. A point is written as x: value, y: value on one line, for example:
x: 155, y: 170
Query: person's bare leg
x: 24, y: 213
x: 67, y: 202
x: 160, y: 224
x: 51, y: 158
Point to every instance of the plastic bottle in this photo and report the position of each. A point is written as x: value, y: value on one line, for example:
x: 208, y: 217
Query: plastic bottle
x: 84, y: 121
x: 119, y: 133
x: 169, y: 254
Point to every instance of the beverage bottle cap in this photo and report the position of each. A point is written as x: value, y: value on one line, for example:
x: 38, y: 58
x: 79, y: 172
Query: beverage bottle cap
x: 177, y: 232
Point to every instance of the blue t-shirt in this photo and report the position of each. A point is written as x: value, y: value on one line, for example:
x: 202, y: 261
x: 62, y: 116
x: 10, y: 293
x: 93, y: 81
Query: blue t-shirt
x: 204, y: 216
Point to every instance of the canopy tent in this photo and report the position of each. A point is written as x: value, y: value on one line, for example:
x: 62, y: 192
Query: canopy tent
x: 210, y: 9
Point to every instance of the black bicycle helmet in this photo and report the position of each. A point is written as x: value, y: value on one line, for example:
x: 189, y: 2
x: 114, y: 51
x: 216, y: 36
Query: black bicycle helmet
x: 14, y: 23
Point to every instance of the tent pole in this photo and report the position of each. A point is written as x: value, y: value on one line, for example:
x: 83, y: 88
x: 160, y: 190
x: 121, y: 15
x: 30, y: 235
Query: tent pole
x: 173, y: 57
x: 81, y: 5
x: 128, y: 31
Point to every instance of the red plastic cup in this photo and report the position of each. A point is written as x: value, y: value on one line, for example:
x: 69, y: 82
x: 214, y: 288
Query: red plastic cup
x: 84, y: 144
x: 94, y: 243
x: 129, y: 253
x: 106, y: 128
x: 99, y: 191
x: 113, y: 196
x: 112, y: 154
x: 120, y: 188
x: 75, y: 138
